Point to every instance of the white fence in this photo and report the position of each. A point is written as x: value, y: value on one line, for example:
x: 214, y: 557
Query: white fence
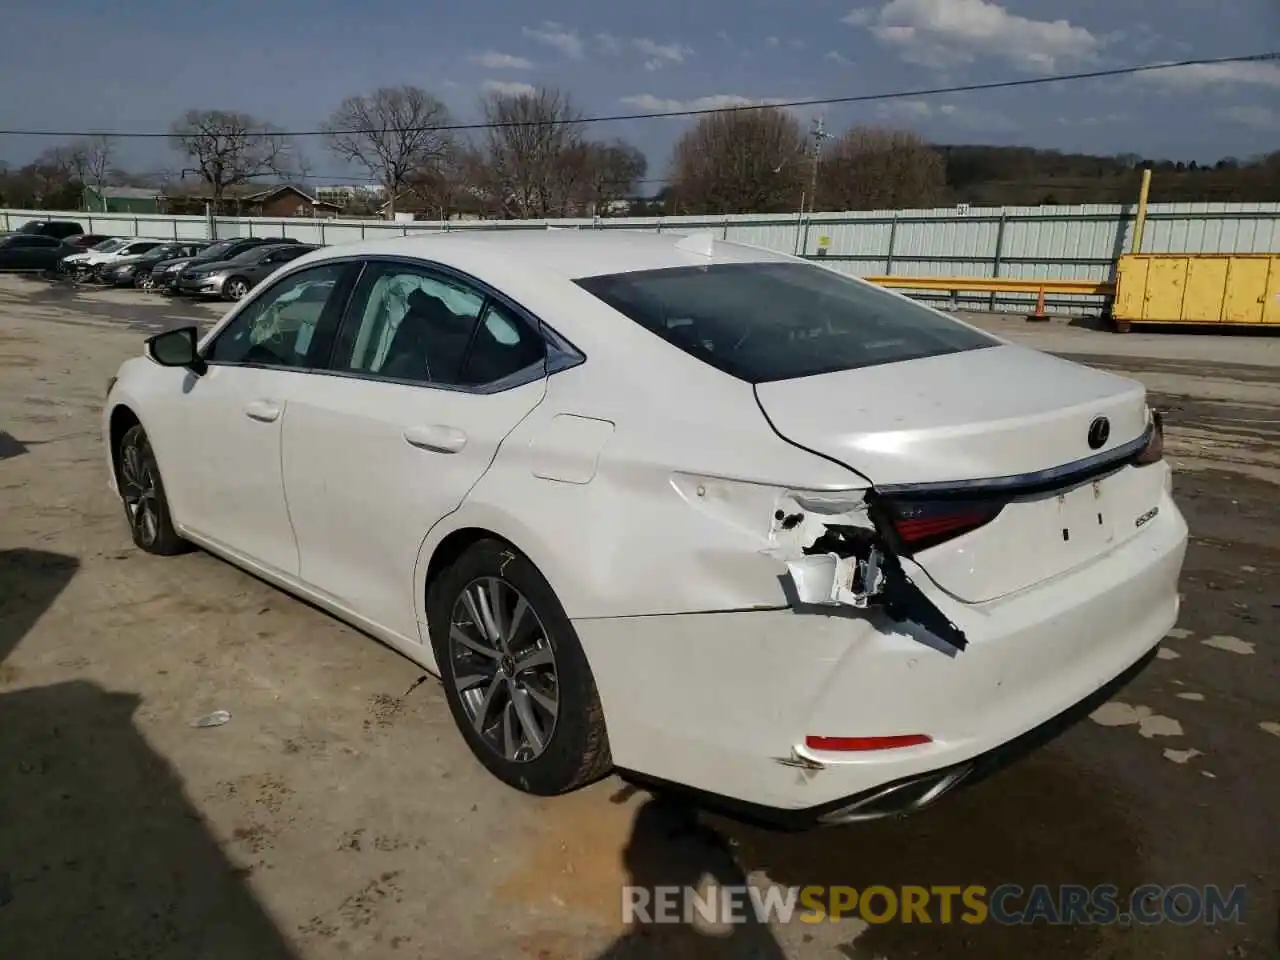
x: 1056, y: 242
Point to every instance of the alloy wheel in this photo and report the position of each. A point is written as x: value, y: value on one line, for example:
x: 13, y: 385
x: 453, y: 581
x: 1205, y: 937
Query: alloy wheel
x: 236, y: 289
x: 504, y: 669
x: 140, y: 492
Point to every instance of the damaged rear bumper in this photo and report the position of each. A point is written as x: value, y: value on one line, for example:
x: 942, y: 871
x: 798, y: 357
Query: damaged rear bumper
x: 724, y: 703
x: 903, y: 796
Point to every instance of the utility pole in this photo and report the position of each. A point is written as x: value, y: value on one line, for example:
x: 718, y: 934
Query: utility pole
x: 819, y: 134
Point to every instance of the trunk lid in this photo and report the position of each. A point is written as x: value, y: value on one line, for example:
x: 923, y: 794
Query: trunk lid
x: 1003, y: 413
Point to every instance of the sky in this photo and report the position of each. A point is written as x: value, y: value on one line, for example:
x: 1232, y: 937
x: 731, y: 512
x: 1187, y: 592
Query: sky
x: 83, y: 65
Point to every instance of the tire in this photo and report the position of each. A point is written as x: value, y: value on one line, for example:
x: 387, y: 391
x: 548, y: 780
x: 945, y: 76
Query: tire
x: 234, y: 289
x: 575, y: 747
x: 144, y: 282
x: 146, y: 508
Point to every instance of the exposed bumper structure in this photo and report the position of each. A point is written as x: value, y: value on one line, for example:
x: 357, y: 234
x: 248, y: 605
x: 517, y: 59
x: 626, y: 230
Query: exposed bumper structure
x: 724, y: 702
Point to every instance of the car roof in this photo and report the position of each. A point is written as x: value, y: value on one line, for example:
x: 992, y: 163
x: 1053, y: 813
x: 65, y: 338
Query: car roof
x: 567, y: 254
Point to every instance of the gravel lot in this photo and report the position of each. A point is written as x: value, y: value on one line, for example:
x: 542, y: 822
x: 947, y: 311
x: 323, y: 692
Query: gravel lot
x: 338, y: 814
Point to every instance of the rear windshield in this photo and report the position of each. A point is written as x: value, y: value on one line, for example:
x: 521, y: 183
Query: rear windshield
x: 776, y: 321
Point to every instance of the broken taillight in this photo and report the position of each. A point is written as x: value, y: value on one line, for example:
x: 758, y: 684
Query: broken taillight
x: 1153, y: 452
x: 920, y: 524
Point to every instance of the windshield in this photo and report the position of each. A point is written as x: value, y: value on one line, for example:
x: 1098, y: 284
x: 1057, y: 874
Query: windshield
x: 106, y: 246
x: 253, y: 254
x: 216, y: 250
x: 779, y: 320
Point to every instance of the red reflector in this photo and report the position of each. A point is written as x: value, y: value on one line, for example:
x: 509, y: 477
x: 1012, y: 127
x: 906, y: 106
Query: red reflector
x: 866, y: 743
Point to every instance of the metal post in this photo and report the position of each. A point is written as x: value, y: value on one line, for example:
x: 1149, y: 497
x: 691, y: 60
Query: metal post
x: 819, y: 135
x: 1141, y: 221
x: 995, y: 266
x: 893, y: 236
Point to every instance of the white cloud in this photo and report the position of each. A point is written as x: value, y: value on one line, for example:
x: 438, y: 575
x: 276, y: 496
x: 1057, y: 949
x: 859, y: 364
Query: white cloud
x: 660, y: 54
x: 1201, y: 76
x: 555, y: 35
x: 772, y: 41
x: 501, y: 61
x: 651, y: 104
x: 507, y: 88
x: 608, y: 43
x: 837, y: 58
x: 1258, y: 117
x: 1093, y: 121
x: 941, y: 33
x: 859, y: 17
x: 795, y: 44
x: 952, y: 114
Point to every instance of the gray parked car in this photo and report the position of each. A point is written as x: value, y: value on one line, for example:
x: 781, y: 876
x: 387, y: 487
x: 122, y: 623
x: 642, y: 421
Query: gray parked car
x: 232, y: 279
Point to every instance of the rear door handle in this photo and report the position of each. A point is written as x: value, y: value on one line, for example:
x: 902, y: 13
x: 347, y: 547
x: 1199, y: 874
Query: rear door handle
x: 267, y: 411
x: 437, y: 438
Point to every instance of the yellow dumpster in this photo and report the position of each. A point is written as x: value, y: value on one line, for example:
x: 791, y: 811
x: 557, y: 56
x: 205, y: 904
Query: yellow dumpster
x: 1229, y: 288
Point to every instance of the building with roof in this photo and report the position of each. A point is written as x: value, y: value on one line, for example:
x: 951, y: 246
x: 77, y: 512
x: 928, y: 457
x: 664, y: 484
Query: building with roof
x: 121, y: 199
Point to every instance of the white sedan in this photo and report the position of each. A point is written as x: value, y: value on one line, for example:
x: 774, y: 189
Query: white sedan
x: 720, y: 519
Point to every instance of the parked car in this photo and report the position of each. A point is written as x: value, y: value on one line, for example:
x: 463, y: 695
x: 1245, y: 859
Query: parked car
x: 29, y: 252
x: 87, y: 241
x: 58, y: 229
x: 88, y: 264
x: 232, y: 279
x: 166, y: 274
x: 136, y: 270
x: 732, y: 521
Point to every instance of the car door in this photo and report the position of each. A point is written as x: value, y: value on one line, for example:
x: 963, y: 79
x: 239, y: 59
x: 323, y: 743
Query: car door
x: 34, y: 252
x: 225, y: 481
x: 419, y: 397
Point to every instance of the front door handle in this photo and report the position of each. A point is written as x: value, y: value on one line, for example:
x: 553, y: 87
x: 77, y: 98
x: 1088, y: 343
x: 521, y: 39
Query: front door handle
x: 267, y: 411
x: 437, y: 438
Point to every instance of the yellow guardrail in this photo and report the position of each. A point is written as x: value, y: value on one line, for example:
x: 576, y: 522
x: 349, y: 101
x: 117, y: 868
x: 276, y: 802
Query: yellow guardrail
x: 1041, y: 288
x: 1097, y: 288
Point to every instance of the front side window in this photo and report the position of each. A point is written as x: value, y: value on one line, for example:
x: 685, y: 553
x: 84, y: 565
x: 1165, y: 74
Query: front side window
x: 278, y: 328
x: 780, y: 320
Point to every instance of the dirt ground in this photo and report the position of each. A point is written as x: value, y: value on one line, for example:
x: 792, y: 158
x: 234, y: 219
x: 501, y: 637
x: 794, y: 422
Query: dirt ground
x: 338, y: 814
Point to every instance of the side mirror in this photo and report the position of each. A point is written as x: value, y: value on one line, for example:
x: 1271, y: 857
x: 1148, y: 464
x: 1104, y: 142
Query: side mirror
x: 177, y: 348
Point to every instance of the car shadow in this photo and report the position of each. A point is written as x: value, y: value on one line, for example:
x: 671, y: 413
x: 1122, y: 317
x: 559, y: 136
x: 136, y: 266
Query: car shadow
x: 101, y: 854
x: 1044, y: 821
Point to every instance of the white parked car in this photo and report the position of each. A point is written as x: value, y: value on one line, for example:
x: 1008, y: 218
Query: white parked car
x: 718, y: 518
x: 111, y: 252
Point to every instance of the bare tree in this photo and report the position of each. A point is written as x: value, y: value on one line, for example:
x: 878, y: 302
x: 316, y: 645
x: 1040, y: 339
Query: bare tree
x: 872, y: 168
x: 531, y: 162
x: 613, y: 174
x: 93, y: 158
x: 53, y: 179
x: 230, y: 149
x: 743, y: 161
x: 393, y: 133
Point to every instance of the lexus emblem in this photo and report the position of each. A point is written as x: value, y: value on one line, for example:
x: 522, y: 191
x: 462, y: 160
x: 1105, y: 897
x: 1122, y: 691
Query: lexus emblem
x: 1099, y: 432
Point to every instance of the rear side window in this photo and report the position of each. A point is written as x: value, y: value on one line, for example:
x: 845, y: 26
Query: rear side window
x: 777, y: 321
x: 412, y: 324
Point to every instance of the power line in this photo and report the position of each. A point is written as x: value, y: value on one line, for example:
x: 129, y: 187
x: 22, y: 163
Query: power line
x: 662, y: 114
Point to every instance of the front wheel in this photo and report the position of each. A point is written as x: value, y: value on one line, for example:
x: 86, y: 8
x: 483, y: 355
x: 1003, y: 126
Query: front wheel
x: 144, y: 282
x: 515, y: 676
x: 142, y: 492
x: 235, y: 289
